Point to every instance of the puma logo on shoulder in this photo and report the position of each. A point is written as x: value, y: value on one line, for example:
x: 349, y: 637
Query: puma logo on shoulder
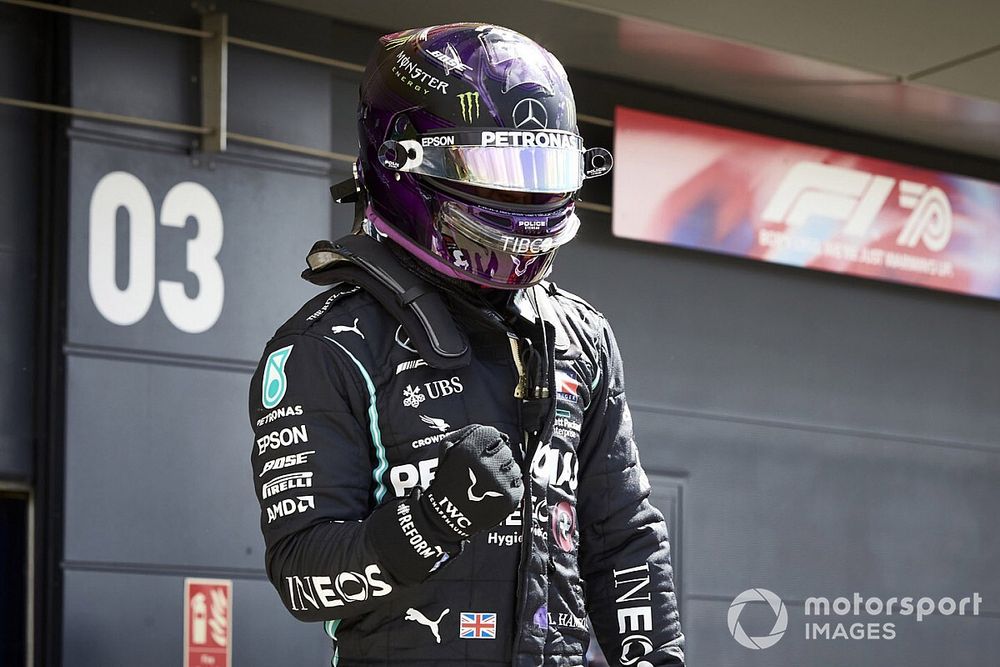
x: 342, y: 329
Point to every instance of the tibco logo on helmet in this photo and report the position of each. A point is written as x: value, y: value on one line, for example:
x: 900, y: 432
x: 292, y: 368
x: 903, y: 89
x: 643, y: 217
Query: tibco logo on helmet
x: 451, y: 197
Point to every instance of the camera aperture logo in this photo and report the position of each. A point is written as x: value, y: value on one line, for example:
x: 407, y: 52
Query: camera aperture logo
x: 821, y: 615
x: 780, y: 618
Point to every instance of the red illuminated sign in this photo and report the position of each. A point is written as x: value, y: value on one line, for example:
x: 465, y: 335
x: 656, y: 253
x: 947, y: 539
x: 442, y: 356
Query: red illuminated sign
x: 208, y: 627
x: 685, y: 183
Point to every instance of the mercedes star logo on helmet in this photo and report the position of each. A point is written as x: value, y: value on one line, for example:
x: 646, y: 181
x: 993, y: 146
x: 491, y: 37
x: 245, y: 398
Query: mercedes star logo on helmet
x: 530, y: 114
x: 780, y: 621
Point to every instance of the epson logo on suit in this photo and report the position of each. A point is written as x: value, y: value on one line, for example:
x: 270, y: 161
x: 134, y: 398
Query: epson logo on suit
x: 282, y: 438
x: 293, y: 480
x: 318, y: 592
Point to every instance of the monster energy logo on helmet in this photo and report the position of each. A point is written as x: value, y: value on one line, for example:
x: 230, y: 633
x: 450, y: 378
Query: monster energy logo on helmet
x: 470, y: 106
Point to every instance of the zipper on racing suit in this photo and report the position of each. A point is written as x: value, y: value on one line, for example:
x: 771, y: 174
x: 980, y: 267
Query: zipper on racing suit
x: 523, y: 393
x: 520, y: 391
x: 521, y: 388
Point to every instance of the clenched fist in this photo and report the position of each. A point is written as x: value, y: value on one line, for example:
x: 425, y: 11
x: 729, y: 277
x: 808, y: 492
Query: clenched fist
x: 476, y: 486
x: 477, y: 483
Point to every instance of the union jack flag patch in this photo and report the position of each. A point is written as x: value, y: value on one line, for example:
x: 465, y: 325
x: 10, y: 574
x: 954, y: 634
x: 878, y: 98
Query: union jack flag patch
x: 567, y: 386
x: 477, y: 625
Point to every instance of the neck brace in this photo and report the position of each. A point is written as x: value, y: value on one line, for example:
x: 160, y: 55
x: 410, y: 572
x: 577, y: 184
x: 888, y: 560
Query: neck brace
x: 418, y: 306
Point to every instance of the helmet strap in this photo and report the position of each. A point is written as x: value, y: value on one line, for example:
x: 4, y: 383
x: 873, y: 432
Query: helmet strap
x: 351, y: 191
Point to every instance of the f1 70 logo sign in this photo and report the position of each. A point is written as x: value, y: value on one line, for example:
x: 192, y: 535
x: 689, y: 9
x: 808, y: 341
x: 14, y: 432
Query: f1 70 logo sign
x: 857, y: 197
x: 208, y: 626
x: 749, y: 195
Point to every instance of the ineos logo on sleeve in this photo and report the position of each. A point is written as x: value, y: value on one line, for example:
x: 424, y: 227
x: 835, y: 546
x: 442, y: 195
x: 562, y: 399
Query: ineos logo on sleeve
x: 317, y: 592
x: 530, y: 114
x: 635, y: 615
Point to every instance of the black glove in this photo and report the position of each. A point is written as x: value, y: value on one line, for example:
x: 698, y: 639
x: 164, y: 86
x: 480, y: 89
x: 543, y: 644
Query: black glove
x: 476, y: 486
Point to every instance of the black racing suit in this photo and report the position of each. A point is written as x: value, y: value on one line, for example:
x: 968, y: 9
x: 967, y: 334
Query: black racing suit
x: 347, y: 418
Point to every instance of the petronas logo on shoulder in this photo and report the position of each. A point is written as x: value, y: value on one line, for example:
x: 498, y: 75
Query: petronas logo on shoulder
x: 470, y: 106
x: 274, y: 383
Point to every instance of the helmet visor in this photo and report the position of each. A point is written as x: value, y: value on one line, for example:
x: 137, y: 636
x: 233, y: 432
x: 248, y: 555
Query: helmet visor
x: 543, y: 238
x: 541, y: 162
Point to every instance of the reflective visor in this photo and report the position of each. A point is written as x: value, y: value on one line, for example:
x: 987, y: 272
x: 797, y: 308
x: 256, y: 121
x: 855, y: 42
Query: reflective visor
x: 509, y: 200
x: 454, y: 216
x: 537, y: 161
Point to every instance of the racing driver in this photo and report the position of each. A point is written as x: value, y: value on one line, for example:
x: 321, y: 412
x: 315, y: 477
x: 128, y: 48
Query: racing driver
x: 443, y: 452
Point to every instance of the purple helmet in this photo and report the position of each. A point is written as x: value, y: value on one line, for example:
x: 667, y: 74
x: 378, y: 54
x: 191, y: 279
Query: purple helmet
x: 469, y: 152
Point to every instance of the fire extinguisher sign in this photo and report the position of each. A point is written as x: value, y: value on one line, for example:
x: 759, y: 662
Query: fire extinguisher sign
x: 208, y: 623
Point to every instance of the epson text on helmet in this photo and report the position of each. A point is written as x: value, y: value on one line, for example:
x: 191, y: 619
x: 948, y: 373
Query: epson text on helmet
x: 438, y: 140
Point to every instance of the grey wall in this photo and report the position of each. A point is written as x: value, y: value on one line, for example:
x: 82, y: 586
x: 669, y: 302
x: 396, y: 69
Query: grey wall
x: 157, y: 439
x: 828, y: 434
x: 18, y: 215
x: 833, y: 434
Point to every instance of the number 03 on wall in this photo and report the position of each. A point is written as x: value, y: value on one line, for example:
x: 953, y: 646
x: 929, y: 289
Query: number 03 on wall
x: 128, y: 305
